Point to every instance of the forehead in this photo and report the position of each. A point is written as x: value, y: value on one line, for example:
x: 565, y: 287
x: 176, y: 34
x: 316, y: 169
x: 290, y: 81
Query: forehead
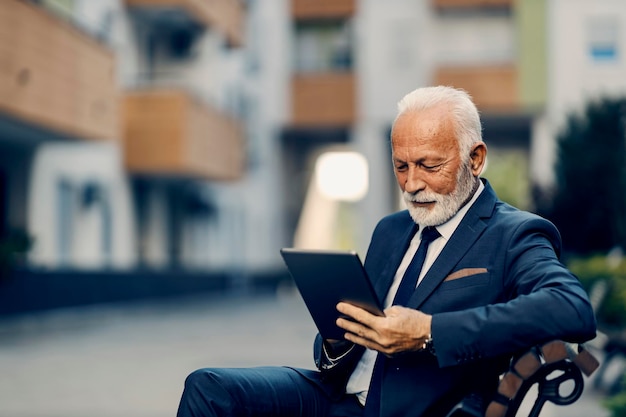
x: 424, y: 128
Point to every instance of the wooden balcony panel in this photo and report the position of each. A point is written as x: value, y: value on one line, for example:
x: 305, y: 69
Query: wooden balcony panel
x: 170, y: 133
x: 221, y: 157
x: 323, y: 100
x: 224, y: 16
x: 493, y: 88
x: 153, y: 132
x: 472, y: 4
x: 322, y: 9
x: 55, y: 76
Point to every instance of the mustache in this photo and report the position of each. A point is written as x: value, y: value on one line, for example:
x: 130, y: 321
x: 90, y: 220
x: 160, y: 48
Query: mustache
x: 422, y: 197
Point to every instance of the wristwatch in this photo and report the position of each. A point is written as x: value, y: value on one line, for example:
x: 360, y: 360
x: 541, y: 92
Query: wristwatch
x: 429, y: 345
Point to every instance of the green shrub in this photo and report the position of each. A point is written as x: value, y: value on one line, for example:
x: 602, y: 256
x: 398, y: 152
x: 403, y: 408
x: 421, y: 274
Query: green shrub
x: 611, y: 312
x: 13, y: 247
x: 590, y: 166
x: 612, y: 269
x: 617, y: 405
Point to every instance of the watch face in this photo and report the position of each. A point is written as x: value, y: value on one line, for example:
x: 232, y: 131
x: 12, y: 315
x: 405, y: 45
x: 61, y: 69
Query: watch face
x: 429, y: 345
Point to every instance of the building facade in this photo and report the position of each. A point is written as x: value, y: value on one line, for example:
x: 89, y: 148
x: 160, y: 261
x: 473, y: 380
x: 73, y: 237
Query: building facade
x: 353, y: 60
x: 185, y: 134
x: 527, y: 63
x: 117, y: 119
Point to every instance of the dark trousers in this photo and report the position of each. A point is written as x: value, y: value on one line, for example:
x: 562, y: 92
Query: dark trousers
x: 263, y: 391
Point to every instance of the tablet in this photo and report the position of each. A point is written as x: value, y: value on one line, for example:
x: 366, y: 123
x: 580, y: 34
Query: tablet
x: 324, y: 278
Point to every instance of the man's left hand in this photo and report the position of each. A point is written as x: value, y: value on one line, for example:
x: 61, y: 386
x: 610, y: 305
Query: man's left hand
x: 400, y: 330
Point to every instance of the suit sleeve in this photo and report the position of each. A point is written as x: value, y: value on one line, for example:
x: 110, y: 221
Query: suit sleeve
x: 336, y: 365
x: 541, y: 301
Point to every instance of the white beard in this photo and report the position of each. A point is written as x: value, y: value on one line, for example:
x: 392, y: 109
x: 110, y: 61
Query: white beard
x: 446, y: 205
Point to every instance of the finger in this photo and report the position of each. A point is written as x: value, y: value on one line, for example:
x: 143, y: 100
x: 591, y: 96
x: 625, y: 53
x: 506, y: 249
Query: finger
x: 354, y: 328
x: 370, y: 344
x: 354, y: 338
x: 347, y: 308
x: 357, y: 313
x: 364, y: 336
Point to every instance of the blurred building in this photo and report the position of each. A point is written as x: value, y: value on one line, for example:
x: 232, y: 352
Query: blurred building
x: 585, y: 60
x: 61, y: 169
x: 346, y: 63
x: 119, y: 121
x: 183, y: 134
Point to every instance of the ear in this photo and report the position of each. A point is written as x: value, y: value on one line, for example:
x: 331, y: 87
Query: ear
x: 478, y: 157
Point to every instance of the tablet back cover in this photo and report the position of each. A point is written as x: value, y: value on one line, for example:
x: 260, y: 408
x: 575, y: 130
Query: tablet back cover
x: 324, y: 278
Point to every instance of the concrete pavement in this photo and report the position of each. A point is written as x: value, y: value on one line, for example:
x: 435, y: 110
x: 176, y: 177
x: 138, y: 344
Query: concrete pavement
x: 130, y: 360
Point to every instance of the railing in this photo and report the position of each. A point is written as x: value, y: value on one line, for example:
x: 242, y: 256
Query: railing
x: 316, y: 9
x: 493, y: 87
x: 323, y: 99
x: 169, y: 132
x: 54, y: 75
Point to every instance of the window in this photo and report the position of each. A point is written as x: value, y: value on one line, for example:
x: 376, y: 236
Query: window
x: 66, y: 206
x: 603, y: 36
x: 323, y: 46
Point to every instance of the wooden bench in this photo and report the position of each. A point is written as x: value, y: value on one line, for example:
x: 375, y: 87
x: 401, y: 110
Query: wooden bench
x: 550, y: 366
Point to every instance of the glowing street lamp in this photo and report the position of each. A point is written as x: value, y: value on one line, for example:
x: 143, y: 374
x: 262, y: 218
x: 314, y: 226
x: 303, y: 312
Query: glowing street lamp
x: 340, y: 176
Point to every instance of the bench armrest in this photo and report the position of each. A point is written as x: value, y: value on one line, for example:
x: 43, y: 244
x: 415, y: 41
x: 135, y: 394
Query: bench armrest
x: 549, y: 366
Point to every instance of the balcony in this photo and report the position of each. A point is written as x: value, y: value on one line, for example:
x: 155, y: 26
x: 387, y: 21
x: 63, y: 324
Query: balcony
x: 54, y: 76
x: 224, y: 16
x: 169, y: 133
x: 472, y: 4
x: 323, y: 99
x: 322, y: 9
x: 493, y: 88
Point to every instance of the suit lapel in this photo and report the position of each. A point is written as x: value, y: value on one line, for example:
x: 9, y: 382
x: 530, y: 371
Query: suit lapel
x: 466, y: 234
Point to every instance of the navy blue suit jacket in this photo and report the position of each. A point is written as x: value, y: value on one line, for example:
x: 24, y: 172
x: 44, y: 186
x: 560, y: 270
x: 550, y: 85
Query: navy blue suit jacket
x: 496, y: 289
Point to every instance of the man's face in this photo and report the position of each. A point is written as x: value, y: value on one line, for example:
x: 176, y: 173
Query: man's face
x: 434, y: 179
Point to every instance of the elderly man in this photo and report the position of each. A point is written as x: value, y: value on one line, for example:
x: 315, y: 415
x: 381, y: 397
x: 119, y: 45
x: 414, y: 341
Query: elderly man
x: 467, y: 281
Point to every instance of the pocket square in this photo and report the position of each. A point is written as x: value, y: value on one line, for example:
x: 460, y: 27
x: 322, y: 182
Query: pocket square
x: 466, y: 272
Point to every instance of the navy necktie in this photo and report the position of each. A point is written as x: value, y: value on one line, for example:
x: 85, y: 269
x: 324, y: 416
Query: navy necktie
x: 409, y: 280
x: 405, y: 290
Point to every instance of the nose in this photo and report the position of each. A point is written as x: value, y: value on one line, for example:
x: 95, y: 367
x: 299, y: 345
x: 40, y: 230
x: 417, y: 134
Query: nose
x: 414, y: 182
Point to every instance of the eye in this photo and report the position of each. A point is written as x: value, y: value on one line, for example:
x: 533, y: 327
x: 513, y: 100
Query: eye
x: 428, y: 167
x: 401, y: 167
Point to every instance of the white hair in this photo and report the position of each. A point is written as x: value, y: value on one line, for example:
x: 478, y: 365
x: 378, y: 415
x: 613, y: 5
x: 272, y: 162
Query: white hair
x: 467, y: 126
